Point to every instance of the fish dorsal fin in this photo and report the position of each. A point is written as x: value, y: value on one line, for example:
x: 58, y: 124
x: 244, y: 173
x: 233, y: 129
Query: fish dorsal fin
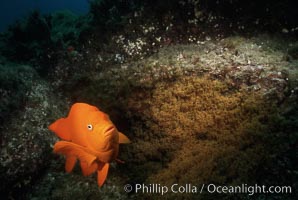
x: 71, y: 149
x: 102, y: 173
x: 61, y: 128
x: 88, y: 170
x: 123, y: 138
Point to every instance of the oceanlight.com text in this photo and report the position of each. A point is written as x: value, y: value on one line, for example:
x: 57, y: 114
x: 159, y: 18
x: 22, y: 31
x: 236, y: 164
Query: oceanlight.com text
x: 209, y: 188
x: 249, y: 189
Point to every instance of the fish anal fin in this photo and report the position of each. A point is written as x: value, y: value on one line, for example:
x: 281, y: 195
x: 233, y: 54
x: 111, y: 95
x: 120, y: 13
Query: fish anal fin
x: 88, y: 169
x: 102, y: 173
x: 70, y: 163
x: 61, y: 128
x: 123, y: 138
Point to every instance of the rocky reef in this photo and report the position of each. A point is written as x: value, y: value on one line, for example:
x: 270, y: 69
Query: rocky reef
x: 202, y: 101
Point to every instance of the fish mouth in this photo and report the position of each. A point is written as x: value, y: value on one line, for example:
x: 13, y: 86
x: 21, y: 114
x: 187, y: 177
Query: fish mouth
x: 109, y: 130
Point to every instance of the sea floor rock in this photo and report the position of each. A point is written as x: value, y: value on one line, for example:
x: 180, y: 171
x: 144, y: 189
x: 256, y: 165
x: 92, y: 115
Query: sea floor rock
x: 25, y: 139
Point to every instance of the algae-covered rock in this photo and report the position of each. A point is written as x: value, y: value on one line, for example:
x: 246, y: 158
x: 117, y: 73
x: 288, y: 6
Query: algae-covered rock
x: 27, y: 107
x: 57, y: 184
x: 15, y: 82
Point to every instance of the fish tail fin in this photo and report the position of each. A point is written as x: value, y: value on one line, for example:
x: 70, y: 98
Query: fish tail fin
x: 102, y: 173
x: 123, y: 138
x: 61, y: 128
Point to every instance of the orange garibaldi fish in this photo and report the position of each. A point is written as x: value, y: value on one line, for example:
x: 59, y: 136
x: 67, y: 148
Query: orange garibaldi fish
x: 90, y: 136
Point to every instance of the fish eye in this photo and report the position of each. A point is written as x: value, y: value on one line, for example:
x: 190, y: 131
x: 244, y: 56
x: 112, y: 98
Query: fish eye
x: 89, y: 127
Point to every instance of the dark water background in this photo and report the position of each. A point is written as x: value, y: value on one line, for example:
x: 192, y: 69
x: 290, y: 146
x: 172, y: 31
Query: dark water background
x: 12, y: 10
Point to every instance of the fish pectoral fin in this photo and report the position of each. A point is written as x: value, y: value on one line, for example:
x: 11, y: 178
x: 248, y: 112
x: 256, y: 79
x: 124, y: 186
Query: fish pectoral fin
x: 88, y: 169
x: 70, y: 163
x: 102, y: 173
x: 123, y: 138
x: 71, y: 149
x: 62, y: 147
x: 61, y: 128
